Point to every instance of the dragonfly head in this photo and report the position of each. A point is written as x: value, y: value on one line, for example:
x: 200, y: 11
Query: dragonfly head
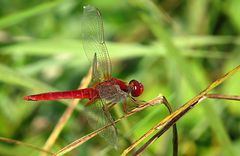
x: 136, y: 88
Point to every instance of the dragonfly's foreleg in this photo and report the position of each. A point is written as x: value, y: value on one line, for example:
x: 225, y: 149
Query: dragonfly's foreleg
x: 138, y: 102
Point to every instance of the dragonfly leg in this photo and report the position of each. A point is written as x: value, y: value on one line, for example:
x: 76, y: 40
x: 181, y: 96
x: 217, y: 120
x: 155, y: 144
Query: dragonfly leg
x: 105, y: 109
x: 125, y: 106
x: 110, y: 105
x: 137, y: 102
x: 91, y: 101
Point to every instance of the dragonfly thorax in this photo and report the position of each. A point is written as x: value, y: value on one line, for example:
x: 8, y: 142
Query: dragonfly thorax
x: 111, y: 93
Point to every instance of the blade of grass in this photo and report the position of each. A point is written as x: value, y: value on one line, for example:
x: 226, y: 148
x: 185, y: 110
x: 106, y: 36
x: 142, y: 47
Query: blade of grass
x: 196, y: 14
x: 13, y: 77
x: 56, y: 46
x: 12, y: 141
x: 23, y: 15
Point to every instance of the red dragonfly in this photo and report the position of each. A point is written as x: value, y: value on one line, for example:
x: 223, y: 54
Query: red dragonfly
x: 105, y: 89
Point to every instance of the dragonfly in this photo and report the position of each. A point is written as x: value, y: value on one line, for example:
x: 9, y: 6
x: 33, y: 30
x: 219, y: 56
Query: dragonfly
x: 105, y: 90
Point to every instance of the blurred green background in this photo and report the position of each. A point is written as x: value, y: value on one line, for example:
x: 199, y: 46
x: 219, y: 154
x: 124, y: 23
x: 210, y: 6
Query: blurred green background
x: 175, y: 48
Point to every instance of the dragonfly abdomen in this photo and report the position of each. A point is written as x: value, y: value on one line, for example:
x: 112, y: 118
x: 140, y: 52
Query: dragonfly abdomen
x: 87, y: 93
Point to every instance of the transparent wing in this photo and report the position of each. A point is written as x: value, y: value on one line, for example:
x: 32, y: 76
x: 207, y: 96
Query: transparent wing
x: 99, y: 116
x: 94, y: 43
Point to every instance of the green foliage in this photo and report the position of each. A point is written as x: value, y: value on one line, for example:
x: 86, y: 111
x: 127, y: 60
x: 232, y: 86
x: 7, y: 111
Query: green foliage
x: 176, y: 48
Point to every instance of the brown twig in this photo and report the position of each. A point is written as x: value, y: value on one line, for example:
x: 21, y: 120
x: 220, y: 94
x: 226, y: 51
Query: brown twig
x: 24, y: 144
x: 66, y: 115
x: 157, y: 135
x: 168, y: 121
x: 221, y: 96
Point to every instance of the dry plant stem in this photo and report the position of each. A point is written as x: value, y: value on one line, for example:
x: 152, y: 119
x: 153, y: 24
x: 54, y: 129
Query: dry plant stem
x: 167, y: 122
x: 66, y: 115
x: 221, y: 96
x: 150, y: 141
x: 157, y: 135
x: 24, y: 144
x: 82, y: 140
x: 175, y: 135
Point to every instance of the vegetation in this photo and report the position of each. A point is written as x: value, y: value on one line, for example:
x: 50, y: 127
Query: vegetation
x: 176, y: 48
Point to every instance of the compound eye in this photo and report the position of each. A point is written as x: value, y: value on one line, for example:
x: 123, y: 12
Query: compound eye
x: 136, y: 88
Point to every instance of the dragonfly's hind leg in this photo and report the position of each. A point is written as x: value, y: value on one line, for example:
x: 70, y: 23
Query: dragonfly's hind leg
x: 91, y: 101
x: 136, y: 102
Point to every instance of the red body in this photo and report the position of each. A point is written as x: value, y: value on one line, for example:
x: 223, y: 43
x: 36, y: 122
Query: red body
x: 87, y: 93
